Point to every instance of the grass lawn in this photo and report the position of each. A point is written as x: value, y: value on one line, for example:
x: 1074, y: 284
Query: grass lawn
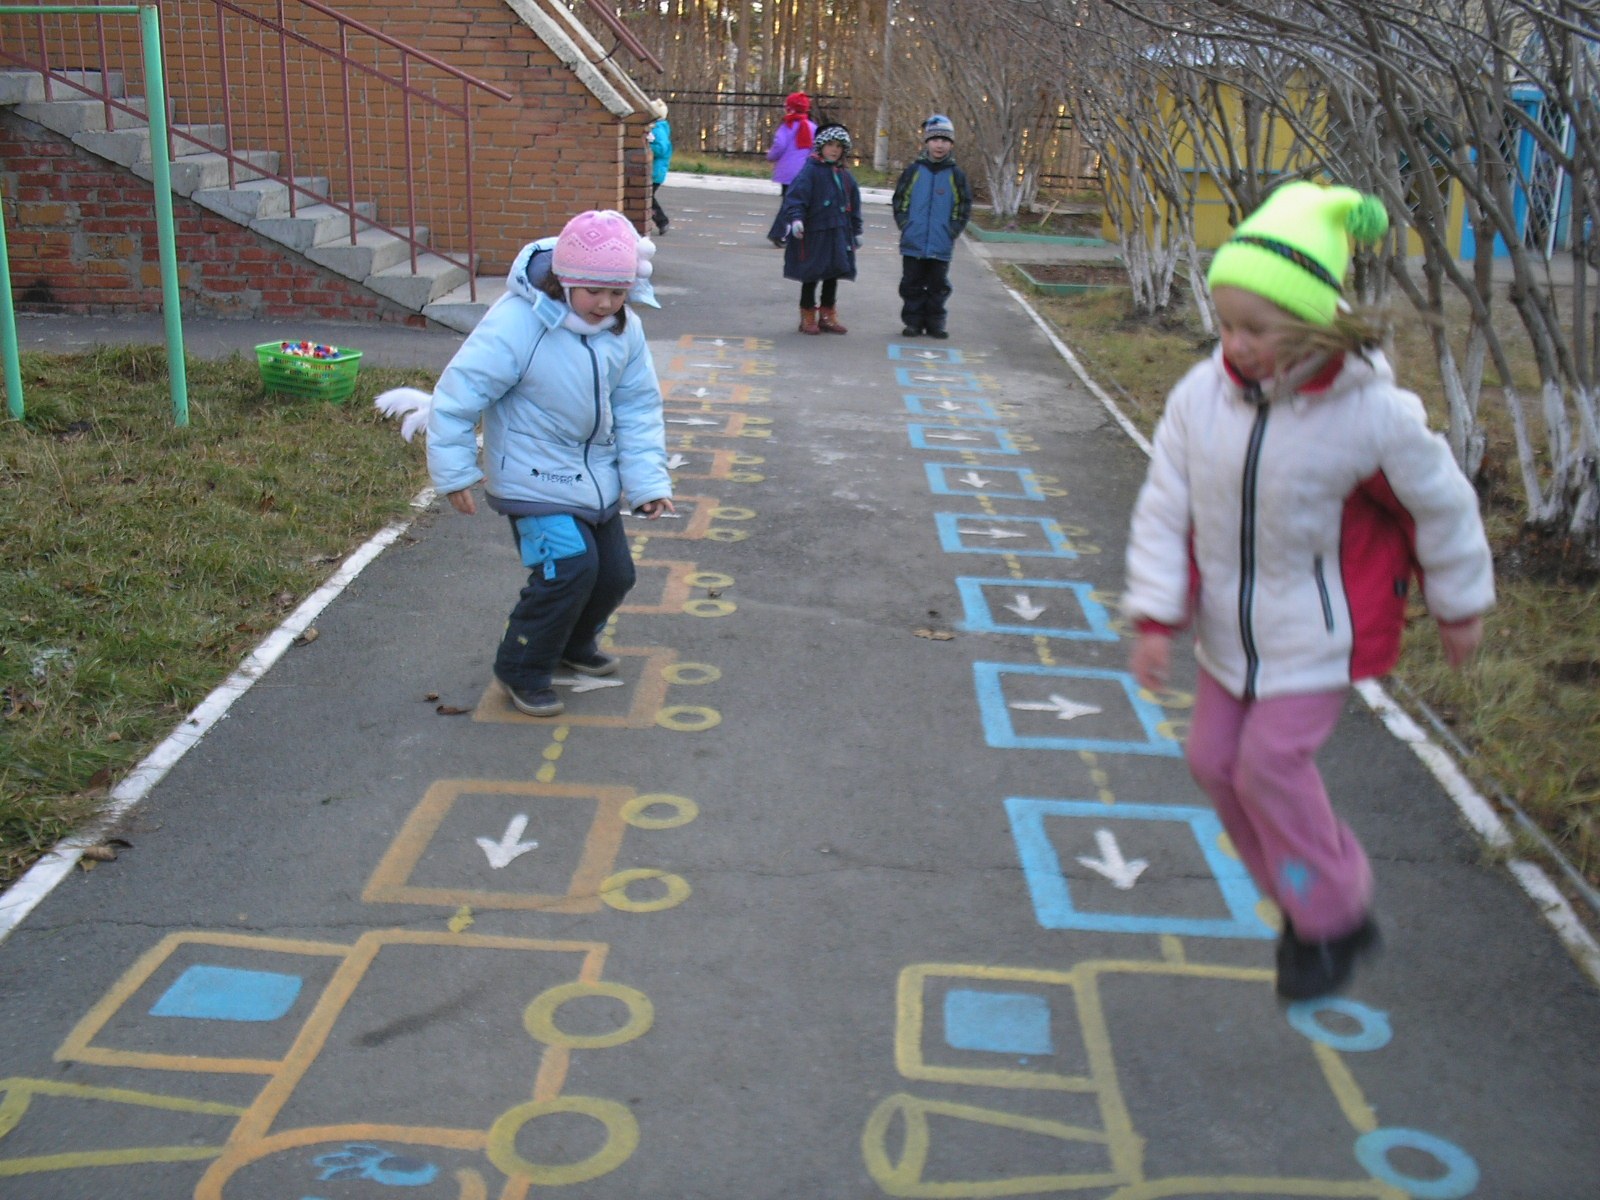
x: 143, y: 562
x: 1529, y: 706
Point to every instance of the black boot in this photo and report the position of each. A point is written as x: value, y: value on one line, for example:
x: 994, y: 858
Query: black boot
x: 1308, y: 970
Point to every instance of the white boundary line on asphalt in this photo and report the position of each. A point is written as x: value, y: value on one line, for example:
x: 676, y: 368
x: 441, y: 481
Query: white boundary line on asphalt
x: 41, y: 879
x: 1477, y: 811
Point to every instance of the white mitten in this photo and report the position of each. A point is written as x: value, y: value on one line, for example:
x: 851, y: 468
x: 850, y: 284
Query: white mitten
x: 797, y: 229
x: 411, y: 404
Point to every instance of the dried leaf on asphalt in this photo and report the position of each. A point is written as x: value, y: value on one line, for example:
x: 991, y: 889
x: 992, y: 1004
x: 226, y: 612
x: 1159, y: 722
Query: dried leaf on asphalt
x: 431, y: 697
x: 105, y: 852
x: 934, y: 635
x: 450, y: 710
x: 306, y: 638
x: 100, y: 779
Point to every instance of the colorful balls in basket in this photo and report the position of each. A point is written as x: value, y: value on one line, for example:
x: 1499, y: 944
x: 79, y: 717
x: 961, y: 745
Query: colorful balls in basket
x: 309, y: 370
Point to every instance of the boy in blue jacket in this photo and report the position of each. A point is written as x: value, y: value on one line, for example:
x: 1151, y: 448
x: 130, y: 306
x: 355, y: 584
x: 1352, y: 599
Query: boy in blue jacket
x: 932, y: 202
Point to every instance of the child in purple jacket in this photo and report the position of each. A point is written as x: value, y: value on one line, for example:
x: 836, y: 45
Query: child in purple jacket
x: 791, y: 146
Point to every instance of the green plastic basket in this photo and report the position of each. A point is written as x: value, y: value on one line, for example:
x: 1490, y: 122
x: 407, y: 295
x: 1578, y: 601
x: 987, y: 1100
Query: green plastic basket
x: 299, y: 375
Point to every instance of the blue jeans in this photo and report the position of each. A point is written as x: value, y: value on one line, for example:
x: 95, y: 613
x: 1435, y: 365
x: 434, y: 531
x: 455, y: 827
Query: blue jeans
x: 578, y: 575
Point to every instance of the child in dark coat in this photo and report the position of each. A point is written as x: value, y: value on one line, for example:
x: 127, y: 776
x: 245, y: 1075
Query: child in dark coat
x: 822, y: 219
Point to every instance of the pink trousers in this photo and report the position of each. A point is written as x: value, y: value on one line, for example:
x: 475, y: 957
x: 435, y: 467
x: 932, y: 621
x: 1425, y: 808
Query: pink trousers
x: 1256, y: 759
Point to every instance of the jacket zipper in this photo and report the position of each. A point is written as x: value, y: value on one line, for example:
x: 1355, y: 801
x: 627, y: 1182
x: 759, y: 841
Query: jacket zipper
x: 1247, y: 542
x: 1322, y: 593
x: 594, y: 371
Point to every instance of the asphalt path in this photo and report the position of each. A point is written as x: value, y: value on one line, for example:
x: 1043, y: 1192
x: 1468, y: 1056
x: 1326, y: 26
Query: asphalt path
x: 872, y: 875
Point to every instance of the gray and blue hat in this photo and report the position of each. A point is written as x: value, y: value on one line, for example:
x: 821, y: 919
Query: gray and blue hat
x: 938, y: 126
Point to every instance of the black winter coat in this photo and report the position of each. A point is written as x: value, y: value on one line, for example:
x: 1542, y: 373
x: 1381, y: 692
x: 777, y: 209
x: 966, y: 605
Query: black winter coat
x: 825, y: 196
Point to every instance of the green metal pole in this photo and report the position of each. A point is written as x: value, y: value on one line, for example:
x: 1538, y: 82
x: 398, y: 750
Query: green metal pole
x: 171, y: 306
x: 8, y: 327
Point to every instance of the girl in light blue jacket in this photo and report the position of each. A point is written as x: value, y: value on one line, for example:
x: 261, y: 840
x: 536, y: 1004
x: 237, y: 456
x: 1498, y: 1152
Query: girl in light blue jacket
x: 560, y: 376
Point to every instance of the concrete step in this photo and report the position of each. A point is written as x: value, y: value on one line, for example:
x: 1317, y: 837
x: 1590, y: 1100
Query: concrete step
x: 374, y: 251
x: 129, y: 143
x: 72, y: 117
x: 194, y: 172
x: 257, y: 198
x: 21, y: 87
x: 457, y: 310
x: 433, y: 279
x: 312, y: 225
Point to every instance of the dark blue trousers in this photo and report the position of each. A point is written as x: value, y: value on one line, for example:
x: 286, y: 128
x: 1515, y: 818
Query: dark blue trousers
x: 924, y: 288
x: 567, y: 601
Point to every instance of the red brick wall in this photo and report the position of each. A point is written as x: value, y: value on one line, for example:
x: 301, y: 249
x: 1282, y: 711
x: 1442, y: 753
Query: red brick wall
x: 82, y: 239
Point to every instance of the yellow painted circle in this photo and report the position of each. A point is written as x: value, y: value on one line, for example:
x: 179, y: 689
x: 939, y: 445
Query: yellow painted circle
x: 539, y: 1018
x: 1176, y: 730
x: 692, y: 674
x: 622, y: 1139
x: 684, y: 810
x: 724, y: 513
x: 614, y: 891
x: 708, y: 579
x: 745, y: 477
x: 709, y: 608
x: 726, y: 535
x: 1052, y: 491
x: 688, y: 718
x: 748, y: 460
x: 758, y: 420
x: 1073, y: 530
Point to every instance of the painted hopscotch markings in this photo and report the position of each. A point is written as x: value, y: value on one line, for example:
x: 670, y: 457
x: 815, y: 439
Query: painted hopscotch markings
x: 688, y: 366
x: 673, y: 587
x: 924, y: 354
x: 706, y: 422
x: 1111, y: 891
x: 1024, y: 537
x: 976, y: 408
x: 1096, y: 704
x: 1020, y: 606
x: 716, y: 343
x: 923, y: 379
x: 997, y: 483
x: 730, y: 465
x: 620, y: 707
x: 972, y: 439
x: 688, y: 391
x: 696, y: 520
x: 1054, y: 1033
x: 512, y: 844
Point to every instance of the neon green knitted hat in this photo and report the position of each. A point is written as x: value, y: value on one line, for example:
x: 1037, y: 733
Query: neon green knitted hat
x: 1295, y: 248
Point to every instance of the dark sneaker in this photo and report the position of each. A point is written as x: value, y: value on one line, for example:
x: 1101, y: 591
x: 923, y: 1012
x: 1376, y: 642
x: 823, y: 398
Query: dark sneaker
x: 910, y: 331
x: 937, y: 333
x: 535, y: 702
x: 598, y: 663
x: 1309, y: 970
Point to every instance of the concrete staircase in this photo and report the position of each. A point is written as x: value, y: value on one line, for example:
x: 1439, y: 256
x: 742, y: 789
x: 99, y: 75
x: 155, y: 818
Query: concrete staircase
x: 319, y: 233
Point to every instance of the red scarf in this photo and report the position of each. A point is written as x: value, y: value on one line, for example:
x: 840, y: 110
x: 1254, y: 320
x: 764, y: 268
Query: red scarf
x: 802, y: 134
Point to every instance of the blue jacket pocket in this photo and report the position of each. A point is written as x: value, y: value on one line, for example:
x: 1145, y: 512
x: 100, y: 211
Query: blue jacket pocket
x: 547, y: 539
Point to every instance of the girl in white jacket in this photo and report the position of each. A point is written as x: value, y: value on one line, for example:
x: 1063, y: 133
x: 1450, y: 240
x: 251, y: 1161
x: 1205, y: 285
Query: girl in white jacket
x: 1293, y: 493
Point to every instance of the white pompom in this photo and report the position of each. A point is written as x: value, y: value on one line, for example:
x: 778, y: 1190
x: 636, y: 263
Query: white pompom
x: 646, y: 269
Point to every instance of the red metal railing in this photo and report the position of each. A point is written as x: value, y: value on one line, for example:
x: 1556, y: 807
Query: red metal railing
x: 322, y: 90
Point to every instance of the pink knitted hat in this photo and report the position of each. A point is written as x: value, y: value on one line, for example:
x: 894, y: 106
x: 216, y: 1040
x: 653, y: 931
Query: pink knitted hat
x: 597, y: 249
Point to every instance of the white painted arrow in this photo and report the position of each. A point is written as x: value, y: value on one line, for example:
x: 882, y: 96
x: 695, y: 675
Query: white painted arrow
x: 937, y: 378
x: 973, y: 479
x: 1065, y: 710
x: 953, y: 437
x: 585, y: 683
x: 928, y: 356
x: 948, y: 406
x: 675, y: 461
x: 689, y: 421
x: 510, y: 847
x: 991, y: 532
x: 700, y: 391
x: 1122, y: 873
x: 1026, y: 608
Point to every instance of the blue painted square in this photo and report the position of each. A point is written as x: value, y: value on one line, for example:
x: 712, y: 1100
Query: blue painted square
x: 979, y: 533
x: 1001, y: 1022
x: 923, y: 354
x: 953, y: 479
x: 953, y: 408
x: 1047, y: 595
x: 1053, y: 903
x: 228, y: 994
x: 969, y: 439
x: 1000, y: 732
x: 921, y: 379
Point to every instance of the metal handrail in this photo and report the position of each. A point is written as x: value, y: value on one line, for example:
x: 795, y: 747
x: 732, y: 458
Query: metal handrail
x: 287, y: 175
